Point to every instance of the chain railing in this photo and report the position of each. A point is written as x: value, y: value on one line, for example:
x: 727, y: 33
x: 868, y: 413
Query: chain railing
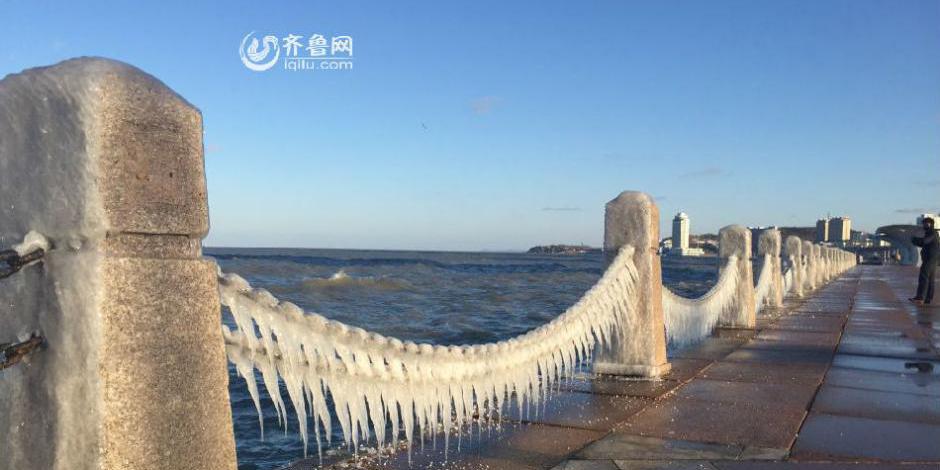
x: 31, y: 250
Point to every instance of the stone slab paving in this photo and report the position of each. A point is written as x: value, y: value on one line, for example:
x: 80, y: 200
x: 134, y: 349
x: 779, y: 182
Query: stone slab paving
x: 846, y: 378
x: 880, y: 399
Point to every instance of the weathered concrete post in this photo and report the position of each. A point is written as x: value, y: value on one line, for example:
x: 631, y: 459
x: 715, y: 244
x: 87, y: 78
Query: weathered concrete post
x: 735, y: 240
x: 632, y: 218
x: 794, y: 252
x: 768, y: 243
x: 809, y: 262
x: 107, y: 162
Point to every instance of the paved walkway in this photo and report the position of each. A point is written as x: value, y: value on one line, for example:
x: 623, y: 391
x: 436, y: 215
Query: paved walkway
x: 849, y: 374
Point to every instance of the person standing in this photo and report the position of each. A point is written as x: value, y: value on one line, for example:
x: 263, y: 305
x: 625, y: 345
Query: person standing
x: 929, y: 255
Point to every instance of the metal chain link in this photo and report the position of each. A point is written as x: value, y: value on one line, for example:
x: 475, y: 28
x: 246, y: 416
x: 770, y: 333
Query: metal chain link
x: 14, y: 261
x: 12, y: 353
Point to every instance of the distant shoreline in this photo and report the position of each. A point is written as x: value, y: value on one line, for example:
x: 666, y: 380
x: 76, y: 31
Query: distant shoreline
x: 565, y: 250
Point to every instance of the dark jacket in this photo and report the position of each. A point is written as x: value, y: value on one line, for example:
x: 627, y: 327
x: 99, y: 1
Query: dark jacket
x: 930, y: 247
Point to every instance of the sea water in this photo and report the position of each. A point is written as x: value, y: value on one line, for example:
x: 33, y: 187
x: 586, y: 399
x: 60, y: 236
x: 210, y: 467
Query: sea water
x: 434, y: 297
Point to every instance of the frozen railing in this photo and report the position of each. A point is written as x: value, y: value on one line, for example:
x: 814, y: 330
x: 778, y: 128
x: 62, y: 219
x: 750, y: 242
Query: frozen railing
x: 106, y: 163
x: 381, y: 384
x: 388, y: 382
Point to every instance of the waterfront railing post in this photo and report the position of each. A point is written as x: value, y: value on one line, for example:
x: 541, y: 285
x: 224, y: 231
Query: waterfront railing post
x: 809, y: 274
x: 107, y: 163
x: 768, y: 244
x: 820, y: 269
x: 794, y: 253
x: 735, y: 240
x: 632, y: 218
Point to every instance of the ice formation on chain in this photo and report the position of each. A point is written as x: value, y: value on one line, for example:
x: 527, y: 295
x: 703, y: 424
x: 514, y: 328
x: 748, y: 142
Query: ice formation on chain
x: 688, y: 320
x: 765, y: 282
x: 399, y: 384
x: 31, y: 242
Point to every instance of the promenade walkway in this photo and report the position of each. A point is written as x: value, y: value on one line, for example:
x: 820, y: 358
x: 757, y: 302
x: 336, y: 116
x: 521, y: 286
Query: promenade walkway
x: 851, y: 373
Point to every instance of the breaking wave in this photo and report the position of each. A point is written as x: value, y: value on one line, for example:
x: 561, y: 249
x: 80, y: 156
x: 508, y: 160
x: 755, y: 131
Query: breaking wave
x: 342, y: 280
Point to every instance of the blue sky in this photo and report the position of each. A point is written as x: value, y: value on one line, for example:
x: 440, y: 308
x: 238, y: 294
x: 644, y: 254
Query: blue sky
x: 499, y: 125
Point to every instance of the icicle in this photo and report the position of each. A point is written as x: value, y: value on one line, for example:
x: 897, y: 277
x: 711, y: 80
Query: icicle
x: 689, y: 320
x: 764, y: 283
x: 419, y: 388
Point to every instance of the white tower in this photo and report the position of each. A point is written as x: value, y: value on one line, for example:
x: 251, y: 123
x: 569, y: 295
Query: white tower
x: 680, y: 237
x: 680, y: 231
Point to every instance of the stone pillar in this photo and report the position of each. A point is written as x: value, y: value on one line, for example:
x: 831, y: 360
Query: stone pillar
x: 809, y: 273
x: 107, y: 162
x: 736, y: 240
x: 769, y: 244
x: 794, y: 252
x: 632, y: 218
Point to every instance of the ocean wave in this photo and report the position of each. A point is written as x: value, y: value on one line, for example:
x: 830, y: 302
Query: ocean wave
x: 342, y: 280
x: 520, y: 263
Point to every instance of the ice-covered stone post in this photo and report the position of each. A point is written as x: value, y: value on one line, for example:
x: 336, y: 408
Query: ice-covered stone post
x: 768, y: 244
x: 735, y: 240
x: 809, y: 273
x: 794, y: 253
x: 819, y: 267
x: 826, y: 262
x: 107, y: 162
x: 632, y: 218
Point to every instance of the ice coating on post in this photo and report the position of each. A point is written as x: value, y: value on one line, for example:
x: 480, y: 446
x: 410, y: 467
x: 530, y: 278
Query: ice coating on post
x: 794, y: 255
x: 818, y: 267
x: 105, y: 162
x: 638, y: 347
x: 734, y: 252
x: 764, y: 286
x: 809, y: 266
x: 824, y: 271
x: 768, y: 249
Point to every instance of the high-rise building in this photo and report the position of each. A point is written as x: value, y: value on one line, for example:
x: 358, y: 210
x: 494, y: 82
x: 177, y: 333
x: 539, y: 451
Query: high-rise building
x: 840, y: 230
x: 680, y: 231
x: 680, y: 237
x: 822, y: 230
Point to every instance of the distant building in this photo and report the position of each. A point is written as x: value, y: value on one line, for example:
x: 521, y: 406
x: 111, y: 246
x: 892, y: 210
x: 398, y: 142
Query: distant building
x: 861, y: 239
x: 822, y: 230
x: 867, y: 240
x: 680, y: 237
x: 837, y: 230
x: 680, y: 231
x: 840, y: 230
